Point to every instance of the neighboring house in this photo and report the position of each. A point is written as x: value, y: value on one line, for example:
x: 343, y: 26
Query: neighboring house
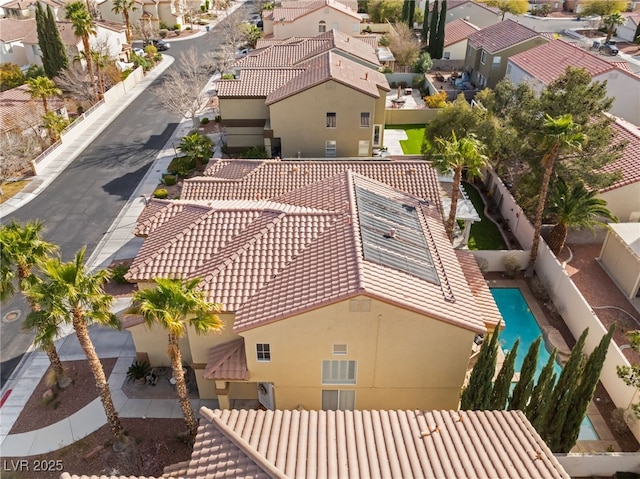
x: 309, y: 19
x: 623, y: 197
x: 479, y: 14
x: 628, y: 30
x: 455, y: 39
x: 308, y: 97
x: 620, y: 257
x: 543, y: 64
x: 331, y: 292
x: 365, y: 444
x: 153, y: 11
x: 489, y: 49
x: 23, y: 9
x: 12, y: 47
x: 21, y: 113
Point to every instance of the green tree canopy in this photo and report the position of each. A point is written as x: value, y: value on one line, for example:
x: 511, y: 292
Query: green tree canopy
x: 477, y: 394
x: 602, y: 7
x: 515, y: 7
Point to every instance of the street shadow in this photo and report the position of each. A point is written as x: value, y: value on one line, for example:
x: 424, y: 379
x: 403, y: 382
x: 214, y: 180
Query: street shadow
x: 157, y: 142
x: 124, y: 185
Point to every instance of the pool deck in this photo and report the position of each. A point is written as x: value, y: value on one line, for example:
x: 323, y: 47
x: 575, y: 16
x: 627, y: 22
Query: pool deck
x: 553, y: 339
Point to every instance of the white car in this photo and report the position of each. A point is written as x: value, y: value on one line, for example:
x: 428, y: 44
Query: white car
x: 138, y: 51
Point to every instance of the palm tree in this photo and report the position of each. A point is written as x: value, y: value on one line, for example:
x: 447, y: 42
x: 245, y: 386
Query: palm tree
x: 457, y: 155
x: 196, y: 147
x: 575, y: 207
x: 612, y: 21
x: 83, y: 27
x: 559, y: 135
x: 124, y: 7
x: 72, y: 294
x: 42, y: 88
x: 173, y: 305
x: 23, y: 248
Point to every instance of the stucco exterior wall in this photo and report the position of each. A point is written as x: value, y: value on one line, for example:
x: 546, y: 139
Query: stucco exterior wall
x: 404, y: 360
x: 243, y: 109
x: 154, y: 342
x: 479, y: 16
x: 307, y: 25
x: 300, y: 120
x: 457, y: 51
x: 200, y: 344
x: 624, y: 202
x: 625, y: 91
x: 621, y: 264
x: 18, y: 53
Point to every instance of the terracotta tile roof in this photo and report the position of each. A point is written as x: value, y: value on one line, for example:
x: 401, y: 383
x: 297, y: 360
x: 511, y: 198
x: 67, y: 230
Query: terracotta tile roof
x: 66, y: 35
x: 505, y: 34
x: 227, y: 361
x: 331, y: 66
x: 19, y: 111
x: 547, y: 62
x: 293, y: 12
x: 12, y: 30
x: 487, y: 307
x: 458, y: 30
x: 234, y: 444
x: 256, y: 83
x: 629, y: 163
x: 251, y: 260
x: 451, y: 4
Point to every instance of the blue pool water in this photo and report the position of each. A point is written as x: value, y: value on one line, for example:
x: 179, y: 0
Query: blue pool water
x: 520, y: 323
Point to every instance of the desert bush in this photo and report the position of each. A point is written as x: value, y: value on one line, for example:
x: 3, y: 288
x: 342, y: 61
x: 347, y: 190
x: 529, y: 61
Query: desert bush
x: 204, y: 121
x: 177, y: 27
x: 437, y: 100
x: 255, y: 152
x: 511, y: 265
x: 138, y: 370
x: 163, y: 25
x: 163, y: 33
x: 217, y: 119
x: 118, y: 271
x: 181, y: 165
x: 161, y: 193
x: 538, y: 289
x: 228, y: 76
x: 483, y: 264
x: 169, y: 180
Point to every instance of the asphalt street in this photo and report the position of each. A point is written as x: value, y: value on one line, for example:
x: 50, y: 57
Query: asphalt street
x: 83, y: 201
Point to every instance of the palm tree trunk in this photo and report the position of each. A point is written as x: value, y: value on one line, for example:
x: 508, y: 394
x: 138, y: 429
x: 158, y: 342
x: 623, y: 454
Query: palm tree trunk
x: 61, y: 377
x: 557, y: 238
x: 542, y: 199
x: 44, y: 103
x: 87, y: 57
x: 181, y: 386
x: 125, y: 12
x: 82, y: 333
x: 455, y: 189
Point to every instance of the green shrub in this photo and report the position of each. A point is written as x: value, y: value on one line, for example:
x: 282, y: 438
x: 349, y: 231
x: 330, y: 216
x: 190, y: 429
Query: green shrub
x: 228, y: 76
x: 177, y: 27
x: 181, y: 165
x: 169, y: 180
x: 204, y: 121
x: 188, y: 28
x: 163, y: 33
x: 138, y: 370
x: 163, y: 25
x: 255, y: 152
x: 217, y: 119
x: 118, y: 271
x: 160, y: 193
x: 384, y: 41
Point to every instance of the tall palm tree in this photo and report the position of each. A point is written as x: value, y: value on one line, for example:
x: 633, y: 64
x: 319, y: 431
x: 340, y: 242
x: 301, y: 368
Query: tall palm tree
x: 196, y: 147
x: 458, y: 155
x: 72, y: 294
x: 612, y: 21
x: 42, y: 88
x: 83, y: 27
x: 22, y: 249
x: 124, y: 7
x: 574, y: 207
x: 559, y: 135
x: 173, y: 305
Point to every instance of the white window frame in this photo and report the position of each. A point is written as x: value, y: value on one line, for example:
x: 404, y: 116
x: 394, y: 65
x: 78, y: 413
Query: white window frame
x: 330, y: 148
x: 339, y: 372
x: 331, y: 119
x: 263, y: 352
x: 377, y: 135
x: 342, y: 398
x: 340, y: 349
x: 483, y: 57
x: 495, y: 65
x: 322, y: 26
x: 446, y: 55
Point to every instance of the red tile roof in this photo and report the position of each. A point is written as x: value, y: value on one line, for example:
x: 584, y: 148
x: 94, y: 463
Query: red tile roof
x: 234, y: 444
x: 549, y: 61
x: 227, y: 361
x: 500, y: 36
x: 269, y: 264
x: 256, y: 83
x: 457, y: 30
x: 19, y: 111
x: 12, y: 30
x: 629, y: 163
x: 292, y: 13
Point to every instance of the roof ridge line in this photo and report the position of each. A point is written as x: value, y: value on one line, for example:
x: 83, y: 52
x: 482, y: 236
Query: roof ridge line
x: 260, y: 460
x: 355, y: 226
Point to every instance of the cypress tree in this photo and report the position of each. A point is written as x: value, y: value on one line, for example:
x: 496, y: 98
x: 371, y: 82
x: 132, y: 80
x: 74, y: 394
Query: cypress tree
x: 502, y: 384
x: 477, y: 394
x: 636, y: 35
x: 537, y: 406
x: 58, y: 51
x: 44, y: 41
x: 584, y: 393
x: 562, y: 396
x: 433, y: 30
x: 412, y: 12
x: 405, y: 11
x: 425, y: 24
x: 524, y: 387
x: 441, y: 23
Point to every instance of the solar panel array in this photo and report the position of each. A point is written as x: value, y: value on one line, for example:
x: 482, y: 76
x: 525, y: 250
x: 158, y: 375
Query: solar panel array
x: 392, y: 235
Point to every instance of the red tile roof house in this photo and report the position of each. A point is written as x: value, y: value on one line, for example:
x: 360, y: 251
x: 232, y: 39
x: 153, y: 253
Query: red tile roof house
x: 308, y: 97
x: 456, y: 34
x: 489, y: 49
x: 628, y: 30
x: 22, y: 114
x: 366, y: 444
x: 479, y: 14
x: 337, y: 291
x: 541, y: 65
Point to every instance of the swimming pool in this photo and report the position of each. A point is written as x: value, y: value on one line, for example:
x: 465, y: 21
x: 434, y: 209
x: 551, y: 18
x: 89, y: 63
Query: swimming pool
x: 520, y: 323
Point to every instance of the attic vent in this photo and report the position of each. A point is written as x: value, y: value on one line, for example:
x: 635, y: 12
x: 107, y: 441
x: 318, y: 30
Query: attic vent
x: 391, y: 233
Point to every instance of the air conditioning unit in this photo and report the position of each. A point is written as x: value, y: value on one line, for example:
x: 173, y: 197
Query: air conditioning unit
x: 265, y: 395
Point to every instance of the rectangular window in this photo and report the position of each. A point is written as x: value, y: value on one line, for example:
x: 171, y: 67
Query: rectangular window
x: 339, y: 372
x: 447, y: 55
x: 365, y: 117
x: 495, y: 65
x: 340, y: 349
x: 363, y: 148
x: 508, y: 68
x: 340, y: 400
x: 331, y: 120
x: 330, y: 148
x: 377, y: 129
x: 263, y: 352
x: 7, y: 48
x: 483, y: 57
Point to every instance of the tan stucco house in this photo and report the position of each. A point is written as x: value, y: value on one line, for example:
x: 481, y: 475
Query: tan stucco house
x: 541, y: 65
x: 307, y: 19
x: 306, y: 97
x: 456, y: 34
x: 489, y: 49
x: 154, y: 11
x: 338, y: 291
x: 478, y: 13
x: 620, y: 257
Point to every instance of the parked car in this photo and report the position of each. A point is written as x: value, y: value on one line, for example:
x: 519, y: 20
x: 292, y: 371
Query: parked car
x: 609, y: 49
x: 138, y: 51
x: 160, y: 44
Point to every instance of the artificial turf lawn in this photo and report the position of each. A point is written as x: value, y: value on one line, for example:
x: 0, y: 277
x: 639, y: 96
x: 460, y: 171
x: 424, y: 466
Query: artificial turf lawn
x: 415, y: 134
x: 485, y: 234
